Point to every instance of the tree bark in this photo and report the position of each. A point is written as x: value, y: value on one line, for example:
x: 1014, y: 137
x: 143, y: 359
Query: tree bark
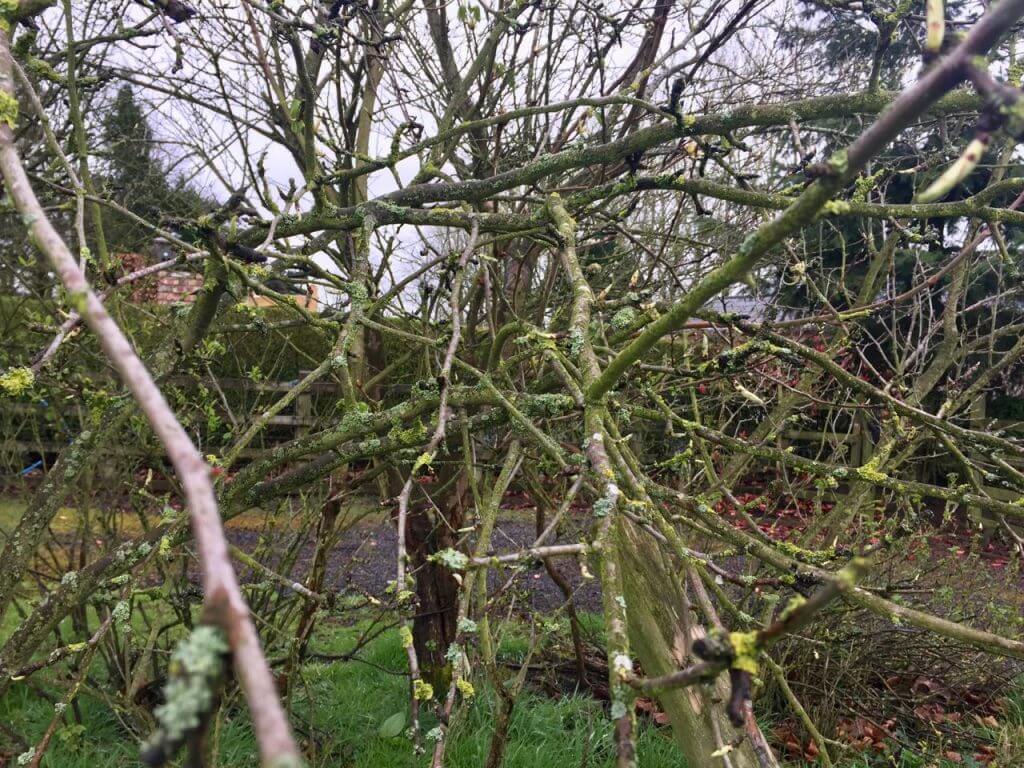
x: 661, y: 637
x: 428, y: 532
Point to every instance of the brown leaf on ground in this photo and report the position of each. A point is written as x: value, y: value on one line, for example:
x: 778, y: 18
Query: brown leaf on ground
x: 989, y: 721
x: 785, y: 735
x: 860, y: 733
x: 788, y: 738
x: 936, y: 713
x: 925, y: 686
x: 811, y: 751
x: 986, y: 754
x: 650, y: 708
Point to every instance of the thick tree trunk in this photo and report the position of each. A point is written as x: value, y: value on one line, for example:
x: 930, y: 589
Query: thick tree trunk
x: 437, y: 590
x: 660, y: 637
x: 433, y: 628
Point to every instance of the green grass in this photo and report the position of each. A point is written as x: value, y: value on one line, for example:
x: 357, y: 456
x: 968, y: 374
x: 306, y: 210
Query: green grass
x: 544, y: 732
x: 339, y: 707
x: 338, y: 710
x: 100, y: 742
x: 10, y: 512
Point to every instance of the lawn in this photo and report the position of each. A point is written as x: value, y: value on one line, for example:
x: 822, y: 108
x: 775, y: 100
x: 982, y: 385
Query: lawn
x: 338, y: 712
x: 339, y: 708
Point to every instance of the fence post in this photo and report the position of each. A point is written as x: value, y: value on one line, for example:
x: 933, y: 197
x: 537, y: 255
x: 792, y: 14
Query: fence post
x: 303, y: 413
x: 978, y: 516
x: 865, y: 444
x: 303, y: 409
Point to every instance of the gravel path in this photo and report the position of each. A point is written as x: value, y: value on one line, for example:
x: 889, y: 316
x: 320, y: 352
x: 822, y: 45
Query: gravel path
x: 364, y: 561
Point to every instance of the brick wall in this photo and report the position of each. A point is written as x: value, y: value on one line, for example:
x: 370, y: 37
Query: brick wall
x: 163, y: 287
x: 174, y: 287
x: 182, y: 287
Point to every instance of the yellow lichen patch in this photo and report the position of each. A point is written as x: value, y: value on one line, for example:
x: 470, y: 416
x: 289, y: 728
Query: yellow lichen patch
x: 406, y: 634
x: 792, y: 606
x: 8, y: 10
x: 17, y: 381
x: 8, y: 109
x: 870, y: 471
x: 465, y: 688
x: 837, y: 207
x: 817, y: 557
x: 744, y: 647
x: 422, y: 691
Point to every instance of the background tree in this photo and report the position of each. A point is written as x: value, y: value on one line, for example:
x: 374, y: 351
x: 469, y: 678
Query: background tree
x: 136, y: 177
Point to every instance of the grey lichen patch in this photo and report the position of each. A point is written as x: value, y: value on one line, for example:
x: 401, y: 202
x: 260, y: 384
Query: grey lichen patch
x: 122, y: 614
x: 370, y: 446
x: 607, y: 503
x: 575, y: 342
x: 357, y: 291
x: 451, y: 559
x: 196, y: 666
x: 540, y: 406
x: 623, y: 319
